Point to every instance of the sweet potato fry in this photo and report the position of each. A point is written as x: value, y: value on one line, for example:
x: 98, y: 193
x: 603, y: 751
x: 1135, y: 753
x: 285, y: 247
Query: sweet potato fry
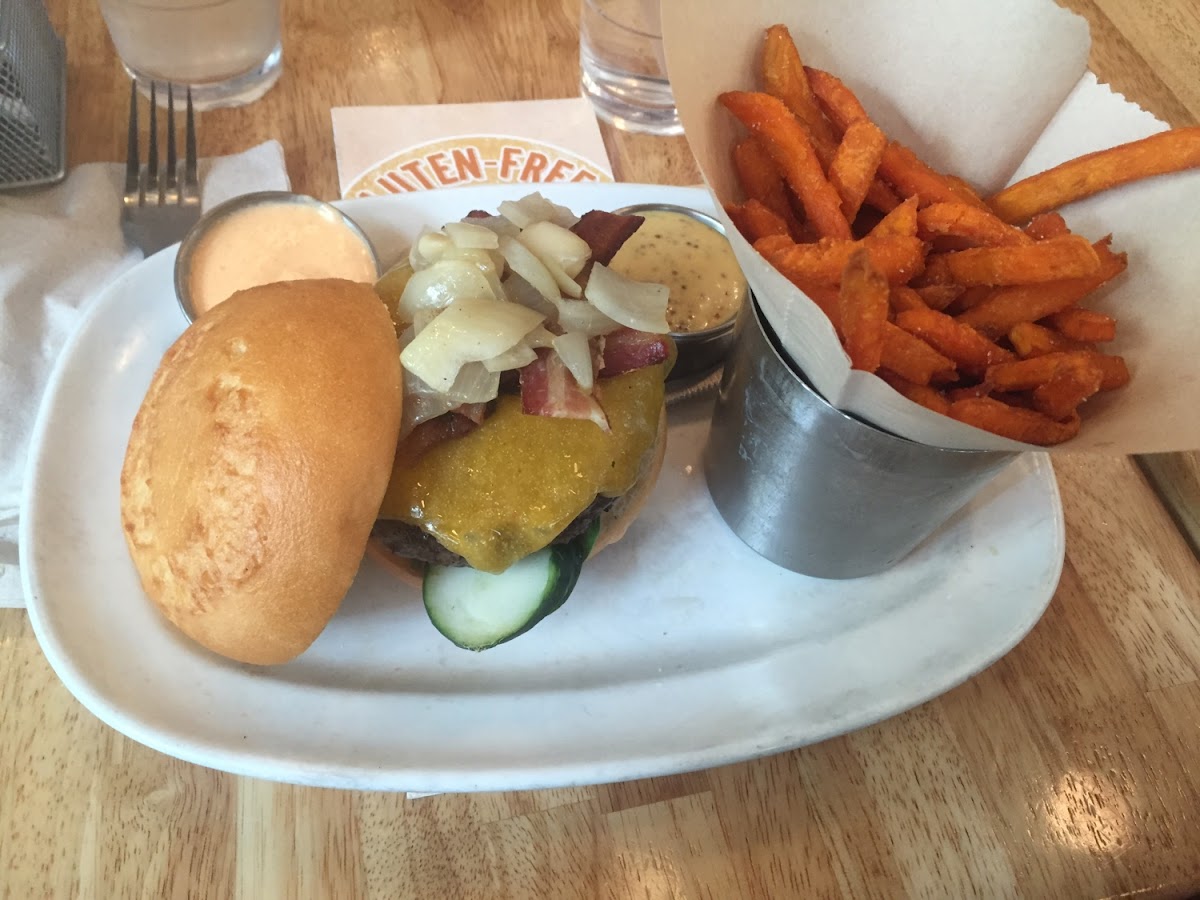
x: 1047, y: 225
x: 1025, y: 425
x: 1054, y: 259
x: 1113, y: 369
x: 1076, y: 379
x: 1084, y: 325
x: 930, y: 398
x: 903, y: 297
x: 1030, y: 339
x: 913, y: 359
x: 854, y: 164
x: 977, y: 227
x: 899, y: 166
x: 939, y: 296
x: 1030, y: 373
x: 837, y: 101
x: 900, y: 221
x: 1005, y: 307
x: 863, y: 302
x: 792, y: 151
x: 983, y: 389
x: 755, y: 221
x: 761, y: 181
x: 897, y: 258
x: 783, y: 76
x: 970, y: 350
x: 904, y: 170
x: 1159, y: 154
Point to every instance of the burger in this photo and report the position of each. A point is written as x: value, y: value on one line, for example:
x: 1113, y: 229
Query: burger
x: 501, y: 425
x: 537, y: 445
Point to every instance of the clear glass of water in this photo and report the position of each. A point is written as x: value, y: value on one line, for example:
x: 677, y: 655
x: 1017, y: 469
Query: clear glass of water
x: 624, y: 71
x: 227, y: 51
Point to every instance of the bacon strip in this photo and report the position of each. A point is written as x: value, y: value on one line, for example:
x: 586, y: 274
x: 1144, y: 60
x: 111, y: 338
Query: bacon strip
x: 625, y: 350
x: 549, y: 389
x: 604, y: 232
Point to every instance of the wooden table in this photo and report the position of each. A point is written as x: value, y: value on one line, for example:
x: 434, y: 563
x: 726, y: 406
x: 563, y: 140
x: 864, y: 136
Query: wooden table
x: 1067, y: 769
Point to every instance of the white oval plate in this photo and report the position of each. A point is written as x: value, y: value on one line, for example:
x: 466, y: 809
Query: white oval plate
x: 680, y: 649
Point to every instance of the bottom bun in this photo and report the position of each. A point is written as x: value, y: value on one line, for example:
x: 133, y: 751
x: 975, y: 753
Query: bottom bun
x: 614, y: 521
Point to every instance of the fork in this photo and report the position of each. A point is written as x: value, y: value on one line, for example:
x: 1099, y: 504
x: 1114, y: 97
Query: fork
x: 159, y: 206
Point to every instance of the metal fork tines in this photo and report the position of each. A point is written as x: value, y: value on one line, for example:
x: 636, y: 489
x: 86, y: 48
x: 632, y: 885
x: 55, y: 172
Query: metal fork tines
x: 160, y: 205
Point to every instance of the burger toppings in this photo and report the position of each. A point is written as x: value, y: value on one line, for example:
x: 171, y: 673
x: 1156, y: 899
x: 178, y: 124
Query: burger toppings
x: 526, y: 291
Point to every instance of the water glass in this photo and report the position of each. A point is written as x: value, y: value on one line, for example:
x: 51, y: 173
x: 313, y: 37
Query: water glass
x: 624, y: 71
x: 227, y: 51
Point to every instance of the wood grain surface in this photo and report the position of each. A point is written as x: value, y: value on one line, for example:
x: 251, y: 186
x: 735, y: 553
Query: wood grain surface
x: 1067, y: 769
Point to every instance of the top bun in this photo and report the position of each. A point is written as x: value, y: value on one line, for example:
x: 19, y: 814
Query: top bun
x: 257, y: 463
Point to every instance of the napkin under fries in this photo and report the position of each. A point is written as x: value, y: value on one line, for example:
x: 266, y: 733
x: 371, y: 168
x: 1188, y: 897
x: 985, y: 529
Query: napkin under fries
x: 991, y: 93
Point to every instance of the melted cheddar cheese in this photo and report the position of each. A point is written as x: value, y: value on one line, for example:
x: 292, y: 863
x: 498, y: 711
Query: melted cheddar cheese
x: 507, y: 489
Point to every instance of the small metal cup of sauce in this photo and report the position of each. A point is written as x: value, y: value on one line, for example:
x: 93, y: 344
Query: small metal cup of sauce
x: 264, y: 237
x: 686, y: 250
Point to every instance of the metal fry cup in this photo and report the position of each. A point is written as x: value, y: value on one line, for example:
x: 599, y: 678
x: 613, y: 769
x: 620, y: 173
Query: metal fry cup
x: 815, y: 490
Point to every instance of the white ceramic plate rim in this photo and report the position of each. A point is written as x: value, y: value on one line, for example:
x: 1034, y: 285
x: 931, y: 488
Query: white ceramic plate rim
x: 478, y: 772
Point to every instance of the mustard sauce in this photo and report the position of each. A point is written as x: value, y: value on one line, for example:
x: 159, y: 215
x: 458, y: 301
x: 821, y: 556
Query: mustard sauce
x: 274, y: 242
x: 469, y: 492
x: 693, y: 260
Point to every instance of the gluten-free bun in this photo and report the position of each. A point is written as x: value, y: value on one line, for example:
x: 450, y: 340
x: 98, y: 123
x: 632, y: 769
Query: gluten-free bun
x: 258, y: 461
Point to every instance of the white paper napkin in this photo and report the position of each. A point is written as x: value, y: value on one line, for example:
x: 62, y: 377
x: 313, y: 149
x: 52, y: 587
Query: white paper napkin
x: 58, y: 247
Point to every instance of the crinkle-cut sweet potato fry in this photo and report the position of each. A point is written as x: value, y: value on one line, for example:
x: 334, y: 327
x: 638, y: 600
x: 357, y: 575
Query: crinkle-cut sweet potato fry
x: 1085, y: 325
x: 976, y: 226
x: 1159, y: 154
x: 1054, y: 259
x: 863, y: 302
x: 755, y: 220
x: 929, y: 397
x: 783, y: 76
x: 1074, y: 381
x: 1026, y: 425
x: 855, y: 163
x: 1046, y: 225
x: 790, y: 147
x: 970, y: 350
x: 761, y: 180
x: 900, y: 221
x: 898, y: 258
x: 913, y: 359
x: 1006, y: 307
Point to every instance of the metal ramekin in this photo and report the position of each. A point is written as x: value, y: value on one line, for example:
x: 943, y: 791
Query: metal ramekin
x: 216, y: 215
x: 699, y: 351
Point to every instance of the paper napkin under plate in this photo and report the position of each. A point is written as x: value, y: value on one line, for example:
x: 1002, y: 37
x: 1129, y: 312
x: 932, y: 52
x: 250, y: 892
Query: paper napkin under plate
x: 60, y: 246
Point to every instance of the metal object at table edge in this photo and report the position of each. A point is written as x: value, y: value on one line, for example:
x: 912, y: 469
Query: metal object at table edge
x: 221, y: 212
x: 55, y: 51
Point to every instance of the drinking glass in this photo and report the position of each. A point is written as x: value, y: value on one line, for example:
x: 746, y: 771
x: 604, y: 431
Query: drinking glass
x: 624, y: 71
x: 227, y: 51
